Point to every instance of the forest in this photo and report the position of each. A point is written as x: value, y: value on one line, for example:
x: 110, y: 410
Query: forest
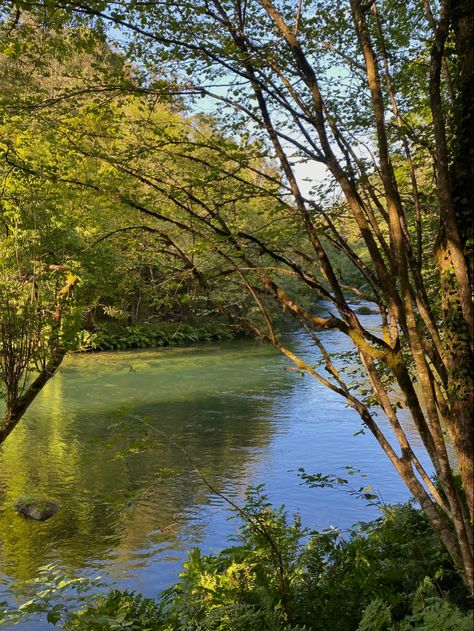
x: 219, y: 218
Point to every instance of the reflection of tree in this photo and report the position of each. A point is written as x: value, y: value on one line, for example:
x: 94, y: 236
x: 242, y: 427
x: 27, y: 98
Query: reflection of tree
x: 102, y: 469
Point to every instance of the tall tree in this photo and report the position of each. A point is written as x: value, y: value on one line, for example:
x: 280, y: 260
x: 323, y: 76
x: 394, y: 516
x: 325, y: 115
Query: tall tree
x: 380, y: 95
x: 75, y: 125
x: 47, y: 273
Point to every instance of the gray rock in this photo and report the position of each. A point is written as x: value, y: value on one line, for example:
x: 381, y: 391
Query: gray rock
x: 37, y: 508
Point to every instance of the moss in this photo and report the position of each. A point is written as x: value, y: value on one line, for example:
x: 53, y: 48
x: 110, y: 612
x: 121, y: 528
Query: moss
x: 28, y: 500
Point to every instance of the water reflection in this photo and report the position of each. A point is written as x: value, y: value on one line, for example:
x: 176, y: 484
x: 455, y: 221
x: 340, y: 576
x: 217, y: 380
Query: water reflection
x: 242, y: 417
x: 76, y: 447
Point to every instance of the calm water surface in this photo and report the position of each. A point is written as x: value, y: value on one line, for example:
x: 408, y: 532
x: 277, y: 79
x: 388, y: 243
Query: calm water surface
x: 132, y: 507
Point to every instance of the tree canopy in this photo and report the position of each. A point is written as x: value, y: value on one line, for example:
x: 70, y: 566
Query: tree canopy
x: 376, y: 99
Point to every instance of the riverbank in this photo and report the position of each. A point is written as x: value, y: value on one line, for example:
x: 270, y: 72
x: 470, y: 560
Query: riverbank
x: 88, y: 443
x: 157, y: 335
x: 111, y: 336
x: 391, y: 574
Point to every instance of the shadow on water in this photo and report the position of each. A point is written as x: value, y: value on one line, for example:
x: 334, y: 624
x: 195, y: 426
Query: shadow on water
x: 131, y: 504
x: 106, y: 469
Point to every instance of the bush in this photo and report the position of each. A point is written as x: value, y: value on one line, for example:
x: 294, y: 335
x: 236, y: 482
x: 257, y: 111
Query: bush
x: 155, y: 335
x: 386, y: 559
x: 432, y: 613
x: 117, y: 610
x: 390, y: 574
x: 363, y: 310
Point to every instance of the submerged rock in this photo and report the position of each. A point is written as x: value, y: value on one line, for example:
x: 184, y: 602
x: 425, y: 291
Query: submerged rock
x: 37, y: 508
x: 363, y: 310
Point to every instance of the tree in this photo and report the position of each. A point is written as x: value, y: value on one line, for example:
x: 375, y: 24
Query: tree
x: 36, y: 307
x: 380, y: 95
x: 48, y: 276
x: 70, y: 251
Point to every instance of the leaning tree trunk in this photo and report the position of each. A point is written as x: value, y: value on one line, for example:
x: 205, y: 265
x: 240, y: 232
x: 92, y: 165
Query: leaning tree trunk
x: 17, y: 407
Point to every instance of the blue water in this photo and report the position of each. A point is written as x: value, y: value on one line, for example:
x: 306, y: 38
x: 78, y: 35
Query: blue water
x: 132, y: 505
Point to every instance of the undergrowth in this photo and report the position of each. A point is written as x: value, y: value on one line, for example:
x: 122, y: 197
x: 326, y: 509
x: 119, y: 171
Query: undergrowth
x: 391, y: 574
x: 155, y: 335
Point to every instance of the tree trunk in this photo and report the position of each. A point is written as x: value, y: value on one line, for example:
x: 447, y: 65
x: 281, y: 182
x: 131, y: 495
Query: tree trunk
x: 17, y: 409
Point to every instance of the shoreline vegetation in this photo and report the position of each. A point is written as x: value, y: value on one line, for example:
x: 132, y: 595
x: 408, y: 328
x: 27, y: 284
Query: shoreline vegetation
x: 110, y: 337
x: 390, y: 574
x: 155, y: 335
x: 181, y: 172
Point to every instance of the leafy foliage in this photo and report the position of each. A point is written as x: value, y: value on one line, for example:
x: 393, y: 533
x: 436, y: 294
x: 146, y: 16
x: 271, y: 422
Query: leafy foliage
x: 118, y: 610
x: 56, y: 594
x: 388, y: 574
x: 377, y: 96
x: 153, y: 335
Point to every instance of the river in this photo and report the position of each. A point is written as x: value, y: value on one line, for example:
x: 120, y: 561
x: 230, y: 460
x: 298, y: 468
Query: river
x: 132, y: 506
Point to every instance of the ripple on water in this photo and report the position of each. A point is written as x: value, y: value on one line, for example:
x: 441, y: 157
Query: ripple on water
x: 132, y: 504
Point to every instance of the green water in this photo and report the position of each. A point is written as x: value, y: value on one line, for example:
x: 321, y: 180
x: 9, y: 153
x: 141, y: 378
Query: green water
x: 132, y: 506
x: 80, y: 444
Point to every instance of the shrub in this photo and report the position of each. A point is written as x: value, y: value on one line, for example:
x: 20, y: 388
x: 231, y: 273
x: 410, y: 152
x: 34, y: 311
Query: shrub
x: 155, y: 335
x: 280, y: 576
x: 363, y: 310
x: 117, y: 610
x: 391, y: 574
x: 386, y: 559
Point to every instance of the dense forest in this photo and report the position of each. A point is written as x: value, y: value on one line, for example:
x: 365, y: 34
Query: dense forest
x: 178, y: 172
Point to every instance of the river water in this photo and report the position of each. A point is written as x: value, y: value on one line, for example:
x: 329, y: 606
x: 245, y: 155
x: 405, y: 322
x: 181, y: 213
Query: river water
x: 132, y: 506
